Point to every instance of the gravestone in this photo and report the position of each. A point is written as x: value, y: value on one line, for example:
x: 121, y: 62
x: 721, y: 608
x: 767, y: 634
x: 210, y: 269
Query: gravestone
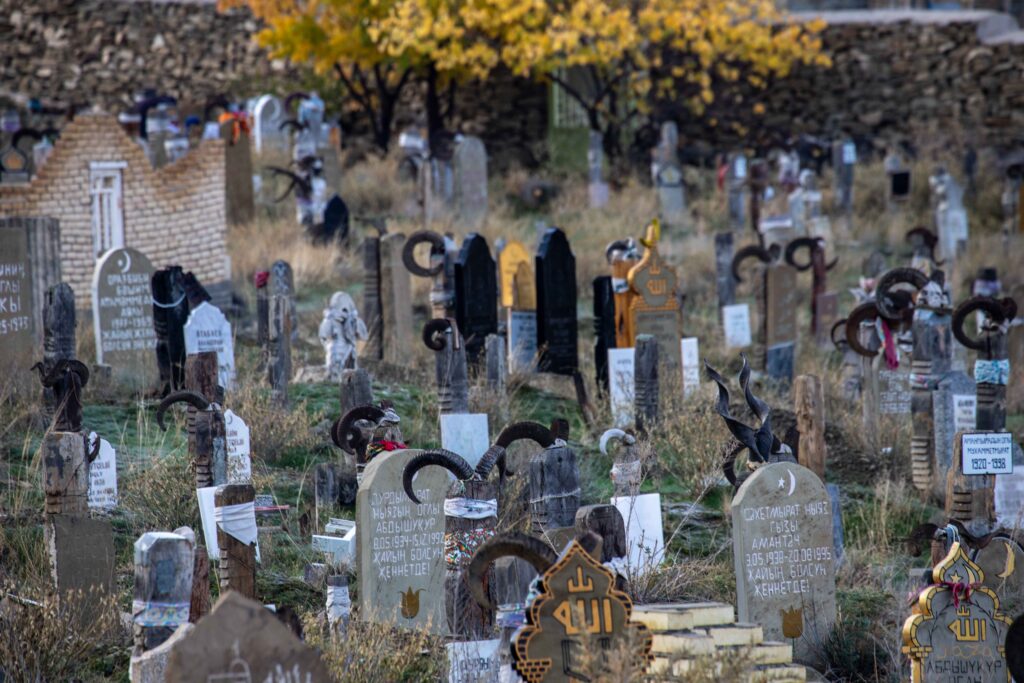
x: 646, y: 392
x: 668, y: 176
x: 465, y: 434
x: 470, y: 165
x: 1009, y: 498
x: 784, y: 556
x: 395, y: 301
x: 894, y: 394
x: 122, y: 310
x: 81, y: 555
x: 238, y: 448
x: 241, y: 641
x: 476, y: 294
x: 655, y: 310
x: 17, y: 325
x: 372, y: 311
x: 844, y: 161
x: 522, y: 340
x: 689, y: 350
x: 954, y: 409
x: 736, y: 187
x: 726, y: 283
x: 958, y: 631
x: 621, y: 382
x: 59, y: 338
x: 103, y: 477
x: 208, y: 329
x: 516, y: 275
x: 736, y: 326
x: 579, y: 626
x: 163, y: 586
x: 645, y: 536
x: 782, y: 298
x: 597, y: 189
x: 826, y: 310
x: 267, y: 117
x: 475, y: 661
x: 400, y: 554
x: 556, y: 304
x: 604, y: 327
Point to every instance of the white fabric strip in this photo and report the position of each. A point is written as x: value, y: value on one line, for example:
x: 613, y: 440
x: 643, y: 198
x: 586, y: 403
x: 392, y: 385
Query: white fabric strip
x: 470, y: 508
x: 238, y: 521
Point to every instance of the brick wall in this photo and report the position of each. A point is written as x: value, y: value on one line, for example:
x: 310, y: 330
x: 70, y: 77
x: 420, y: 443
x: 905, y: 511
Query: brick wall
x: 174, y: 215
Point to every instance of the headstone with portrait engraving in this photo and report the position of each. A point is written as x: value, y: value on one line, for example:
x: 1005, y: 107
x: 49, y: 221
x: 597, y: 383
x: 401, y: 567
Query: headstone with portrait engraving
x: 578, y: 626
x: 400, y: 545
x: 957, y: 630
x: 476, y: 294
x: 208, y: 329
x: 556, y: 304
x: 784, y: 556
x: 122, y: 314
x: 241, y: 640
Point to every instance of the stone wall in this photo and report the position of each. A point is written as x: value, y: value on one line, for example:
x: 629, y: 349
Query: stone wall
x: 174, y: 214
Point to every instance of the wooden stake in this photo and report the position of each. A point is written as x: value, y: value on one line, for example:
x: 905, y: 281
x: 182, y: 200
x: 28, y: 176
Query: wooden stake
x: 646, y: 381
x: 809, y: 405
x: 66, y: 474
x: 237, y: 559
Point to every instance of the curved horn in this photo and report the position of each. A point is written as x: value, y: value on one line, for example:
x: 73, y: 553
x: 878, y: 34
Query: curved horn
x: 292, y: 98
x: 744, y: 434
x: 891, y: 306
x: 729, y: 466
x: 929, y: 238
x: 861, y: 313
x: 453, y: 462
x: 809, y: 243
x: 62, y: 366
x: 293, y: 124
x: 94, y: 453
x: 746, y: 252
x: 518, y: 431
x: 998, y: 310
x: 409, y: 253
x: 492, y: 456
x: 25, y: 133
x: 838, y: 343
x: 528, y: 548
x: 343, y: 432
x: 615, y: 435
x: 617, y: 245
x: 763, y: 437
x: 196, y: 400
x: 433, y: 333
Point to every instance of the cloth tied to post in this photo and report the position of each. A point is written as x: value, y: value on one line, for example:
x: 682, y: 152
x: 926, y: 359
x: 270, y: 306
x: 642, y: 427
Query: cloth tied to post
x: 261, y: 278
x: 892, y: 355
x: 992, y: 371
x: 382, y: 446
x: 238, y: 521
x: 961, y: 591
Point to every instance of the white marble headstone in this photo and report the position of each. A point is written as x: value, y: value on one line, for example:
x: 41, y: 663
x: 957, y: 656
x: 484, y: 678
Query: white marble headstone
x: 475, y: 661
x: 207, y: 329
x: 465, y: 434
x: 621, y: 373
x: 103, y: 476
x: 736, y: 323
x: 645, y: 535
x: 238, y: 449
x: 691, y: 365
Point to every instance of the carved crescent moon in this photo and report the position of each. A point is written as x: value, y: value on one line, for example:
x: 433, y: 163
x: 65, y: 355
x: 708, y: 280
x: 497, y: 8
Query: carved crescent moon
x: 127, y: 261
x: 1011, y: 562
x: 792, y: 483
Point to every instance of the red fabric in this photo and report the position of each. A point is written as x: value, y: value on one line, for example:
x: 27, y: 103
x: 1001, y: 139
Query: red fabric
x: 961, y: 591
x: 390, y: 445
x: 240, y: 124
x: 720, y: 180
x: 261, y: 278
x: 892, y: 357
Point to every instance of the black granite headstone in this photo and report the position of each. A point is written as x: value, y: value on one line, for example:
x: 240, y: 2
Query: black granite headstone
x: 556, y: 304
x: 604, y: 327
x: 476, y: 294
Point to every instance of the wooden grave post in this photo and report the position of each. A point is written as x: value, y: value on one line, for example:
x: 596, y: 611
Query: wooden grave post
x: 450, y: 367
x: 372, y: 312
x: 395, y: 301
x: 930, y: 359
x: 207, y: 432
x: 58, y: 335
x: 554, y: 483
x: 645, y: 378
x: 809, y: 406
x: 236, y: 538
x: 354, y: 389
x: 497, y: 374
x: 992, y: 367
x: 726, y: 285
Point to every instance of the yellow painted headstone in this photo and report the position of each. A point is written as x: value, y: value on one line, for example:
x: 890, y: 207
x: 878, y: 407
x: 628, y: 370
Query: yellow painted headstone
x: 515, y: 269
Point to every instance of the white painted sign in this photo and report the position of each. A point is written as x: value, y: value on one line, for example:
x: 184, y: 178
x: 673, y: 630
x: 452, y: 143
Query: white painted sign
x: 239, y: 449
x: 475, y: 661
x: 987, y: 453
x: 740, y: 168
x: 465, y: 434
x: 736, y: 322
x: 849, y: 153
x: 645, y: 536
x: 103, y: 476
x: 522, y: 340
x: 621, y: 378
x: 965, y: 412
x: 691, y: 365
x: 207, y: 329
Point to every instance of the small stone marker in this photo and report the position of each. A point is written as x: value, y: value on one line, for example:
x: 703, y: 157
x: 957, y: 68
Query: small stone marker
x: 784, y: 556
x: 655, y: 310
x: 556, y: 304
x: 103, y: 477
x: 122, y: 307
x: 241, y: 640
x: 475, y: 661
x: 621, y: 383
x: 690, y: 352
x: 470, y: 167
x: 163, y: 586
x: 522, y: 340
x: 82, y: 555
x: 238, y: 444
x: 400, y: 555
x: 208, y: 329
x: 958, y: 630
x: 465, y: 434
x: 476, y: 294
x: 555, y: 647
x: 736, y: 325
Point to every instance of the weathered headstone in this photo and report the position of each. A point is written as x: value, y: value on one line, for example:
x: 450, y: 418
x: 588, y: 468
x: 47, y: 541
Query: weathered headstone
x: 736, y: 326
x: 954, y: 409
x: 17, y: 329
x: 604, y: 327
x: 667, y: 175
x: 894, y: 395
x: 470, y: 166
x: 736, y: 187
x: 81, y: 555
x: 690, y: 354
x: 235, y: 513
x: 123, y: 314
x: 400, y: 554
x: 621, y: 372
x: 784, y: 556
x: 578, y: 599
x: 395, y: 301
x: 240, y: 640
x: 475, y: 661
x: 645, y: 536
x: 726, y: 283
x: 163, y: 587
x: 646, y: 392
x: 554, y: 485
x: 465, y: 434
x: 208, y: 329
x: 958, y: 631
x: 476, y: 294
x: 238, y: 449
x: 556, y: 304
x: 103, y: 477
x: 782, y: 298
x: 239, y: 203
x: 655, y: 310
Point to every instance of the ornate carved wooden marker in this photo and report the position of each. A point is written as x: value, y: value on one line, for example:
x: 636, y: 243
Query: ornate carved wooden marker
x: 622, y: 256
x: 957, y: 629
x: 816, y: 263
x: 170, y: 312
x: 372, y: 313
x: 766, y: 257
x: 236, y: 538
x: 655, y: 309
x: 645, y: 379
x: 992, y: 368
x: 207, y: 433
x: 451, y: 372
x: 971, y: 482
x: 58, y: 335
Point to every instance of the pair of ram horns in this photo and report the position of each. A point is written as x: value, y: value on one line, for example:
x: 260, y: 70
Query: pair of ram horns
x: 495, y: 455
x: 1000, y: 313
x: 438, y: 247
x: 892, y: 303
x: 345, y: 431
x: 193, y: 398
x: 923, y: 238
x: 812, y: 245
x: 761, y: 443
x: 621, y: 250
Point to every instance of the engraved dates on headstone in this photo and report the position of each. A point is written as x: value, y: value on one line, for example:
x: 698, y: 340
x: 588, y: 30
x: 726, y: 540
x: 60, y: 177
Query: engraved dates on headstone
x: 122, y: 308
x: 894, y: 393
x: 208, y: 329
x: 400, y: 553
x: 15, y: 291
x: 784, y: 556
x: 556, y: 304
